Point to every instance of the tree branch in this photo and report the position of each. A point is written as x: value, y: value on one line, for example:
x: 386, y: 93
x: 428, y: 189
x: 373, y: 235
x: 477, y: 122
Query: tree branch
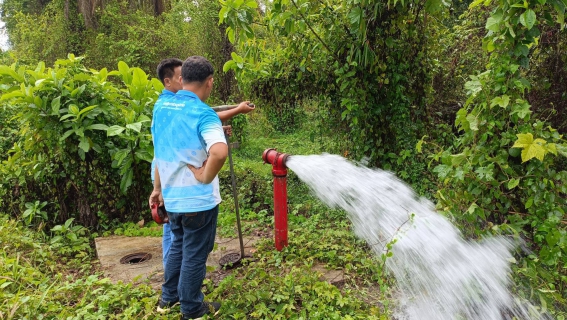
x: 315, y: 33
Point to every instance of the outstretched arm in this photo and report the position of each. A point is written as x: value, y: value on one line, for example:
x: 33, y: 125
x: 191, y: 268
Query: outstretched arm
x: 243, y: 107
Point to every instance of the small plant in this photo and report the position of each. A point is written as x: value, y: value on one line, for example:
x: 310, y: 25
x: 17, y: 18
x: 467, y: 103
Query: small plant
x: 131, y: 229
x: 34, y: 210
x: 69, y: 239
x: 239, y: 126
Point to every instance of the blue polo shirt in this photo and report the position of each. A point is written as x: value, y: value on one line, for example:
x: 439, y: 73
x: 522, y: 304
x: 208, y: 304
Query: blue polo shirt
x: 184, y: 129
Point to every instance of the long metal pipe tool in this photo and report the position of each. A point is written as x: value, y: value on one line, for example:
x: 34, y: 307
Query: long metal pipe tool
x: 231, y: 260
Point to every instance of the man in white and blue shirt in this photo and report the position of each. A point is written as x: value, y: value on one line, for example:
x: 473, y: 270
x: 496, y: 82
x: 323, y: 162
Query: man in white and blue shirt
x: 189, y: 151
x: 169, y: 73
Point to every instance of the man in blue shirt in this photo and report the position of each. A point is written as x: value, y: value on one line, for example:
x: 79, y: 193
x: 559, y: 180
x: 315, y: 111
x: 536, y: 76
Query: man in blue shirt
x: 169, y: 73
x: 189, y: 151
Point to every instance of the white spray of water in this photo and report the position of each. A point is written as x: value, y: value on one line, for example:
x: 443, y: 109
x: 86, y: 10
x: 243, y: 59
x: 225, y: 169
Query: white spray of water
x: 439, y: 274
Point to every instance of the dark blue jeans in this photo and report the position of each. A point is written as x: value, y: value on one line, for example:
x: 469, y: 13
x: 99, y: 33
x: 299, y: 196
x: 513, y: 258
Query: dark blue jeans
x: 194, y: 238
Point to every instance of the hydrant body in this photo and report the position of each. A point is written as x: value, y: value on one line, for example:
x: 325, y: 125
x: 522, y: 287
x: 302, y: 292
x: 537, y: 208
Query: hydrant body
x: 279, y: 170
x: 280, y: 212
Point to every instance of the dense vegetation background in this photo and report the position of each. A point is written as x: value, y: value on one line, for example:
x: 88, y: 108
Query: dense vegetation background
x: 464, y: 100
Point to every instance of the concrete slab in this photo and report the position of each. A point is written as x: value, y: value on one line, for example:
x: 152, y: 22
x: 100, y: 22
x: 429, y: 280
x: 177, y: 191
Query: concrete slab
x: 111, y: 249
x: 335, y: 277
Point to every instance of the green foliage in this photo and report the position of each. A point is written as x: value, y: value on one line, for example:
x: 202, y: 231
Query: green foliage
x: 75, y: 126
x: 8, y: 130
x: 34, y: 210
x: 285, y: 116
x: 261, y: 291
x: 138, y: 33
x: 253, y: 185
x: 69, y: 240
x: 501, y: 175
x: 131, y: 229
x: 55, y: 32
x: 135, y: 113
x: 364, y: 61
x: 239, y: 125
x: 548, y: 75
x: 357, y: 77
x: 126, y: 34
x: 297, y: 295
x: 36, y: 284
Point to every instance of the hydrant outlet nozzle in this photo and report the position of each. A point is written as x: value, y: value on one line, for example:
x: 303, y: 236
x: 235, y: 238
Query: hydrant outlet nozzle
x: 277, y: 160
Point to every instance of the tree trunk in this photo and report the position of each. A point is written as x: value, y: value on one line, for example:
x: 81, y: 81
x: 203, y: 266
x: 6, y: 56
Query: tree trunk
x: 159, y: 7
x: 87, y: 9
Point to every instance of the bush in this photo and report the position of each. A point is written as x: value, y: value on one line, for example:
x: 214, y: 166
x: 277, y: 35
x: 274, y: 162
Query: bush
x: 83, y: 143
x: 36, y: 284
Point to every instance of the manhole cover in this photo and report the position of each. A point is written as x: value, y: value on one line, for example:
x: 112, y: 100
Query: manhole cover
x: 135, y: 258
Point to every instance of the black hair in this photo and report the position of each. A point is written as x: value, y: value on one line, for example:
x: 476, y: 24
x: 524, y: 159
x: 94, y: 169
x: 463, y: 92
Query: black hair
x: 166, y: 68
x: 196, y: 69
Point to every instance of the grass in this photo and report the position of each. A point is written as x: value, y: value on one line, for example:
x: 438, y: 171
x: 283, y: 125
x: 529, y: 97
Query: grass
x: 276, y: 285
x: 40, y: 280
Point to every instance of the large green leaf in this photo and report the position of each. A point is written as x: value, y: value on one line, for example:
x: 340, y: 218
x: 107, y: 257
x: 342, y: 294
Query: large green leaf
x: 125, y: 72
x: 144, y: 155
x: 493, y: 22
x: 67, y: 134
x: 521, y: 108
x: 502, y: 101
x: 135, y: 126
x: 485, y: 173
x: 530, y: 148
x: 143, y: 118
x: 442, y: 170
x: 433, y: 6
x: 67, y: 116
x: 461, y: 121
x: 73, y: 109
x: 8, y: 71
x: 114, y: 130
x: 230, y: 64
x: 158, y: 86
x: 513, y: 183
x: 473, y: 122
x: 13, y: 94
x: 139, y: 82
x: 98, y: 126
x: 126, y: 181
x: 139, y: 77
x: 121, y: 155
x: 251, y: 4
x: 123, y: 67
x: 355, y: 15
x: 528, y: 18
x: 55, y: 105
x: 84, y: 144
x: 86, y: 110
x: 223, y: 13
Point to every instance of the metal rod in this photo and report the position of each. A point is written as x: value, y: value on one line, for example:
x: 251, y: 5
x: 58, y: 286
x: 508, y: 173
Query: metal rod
x: 224, y: 107
x: 235, y: 194
x: 228, y: 107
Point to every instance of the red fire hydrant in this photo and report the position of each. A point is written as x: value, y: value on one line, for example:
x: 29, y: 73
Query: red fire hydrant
x: 279, y: 170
